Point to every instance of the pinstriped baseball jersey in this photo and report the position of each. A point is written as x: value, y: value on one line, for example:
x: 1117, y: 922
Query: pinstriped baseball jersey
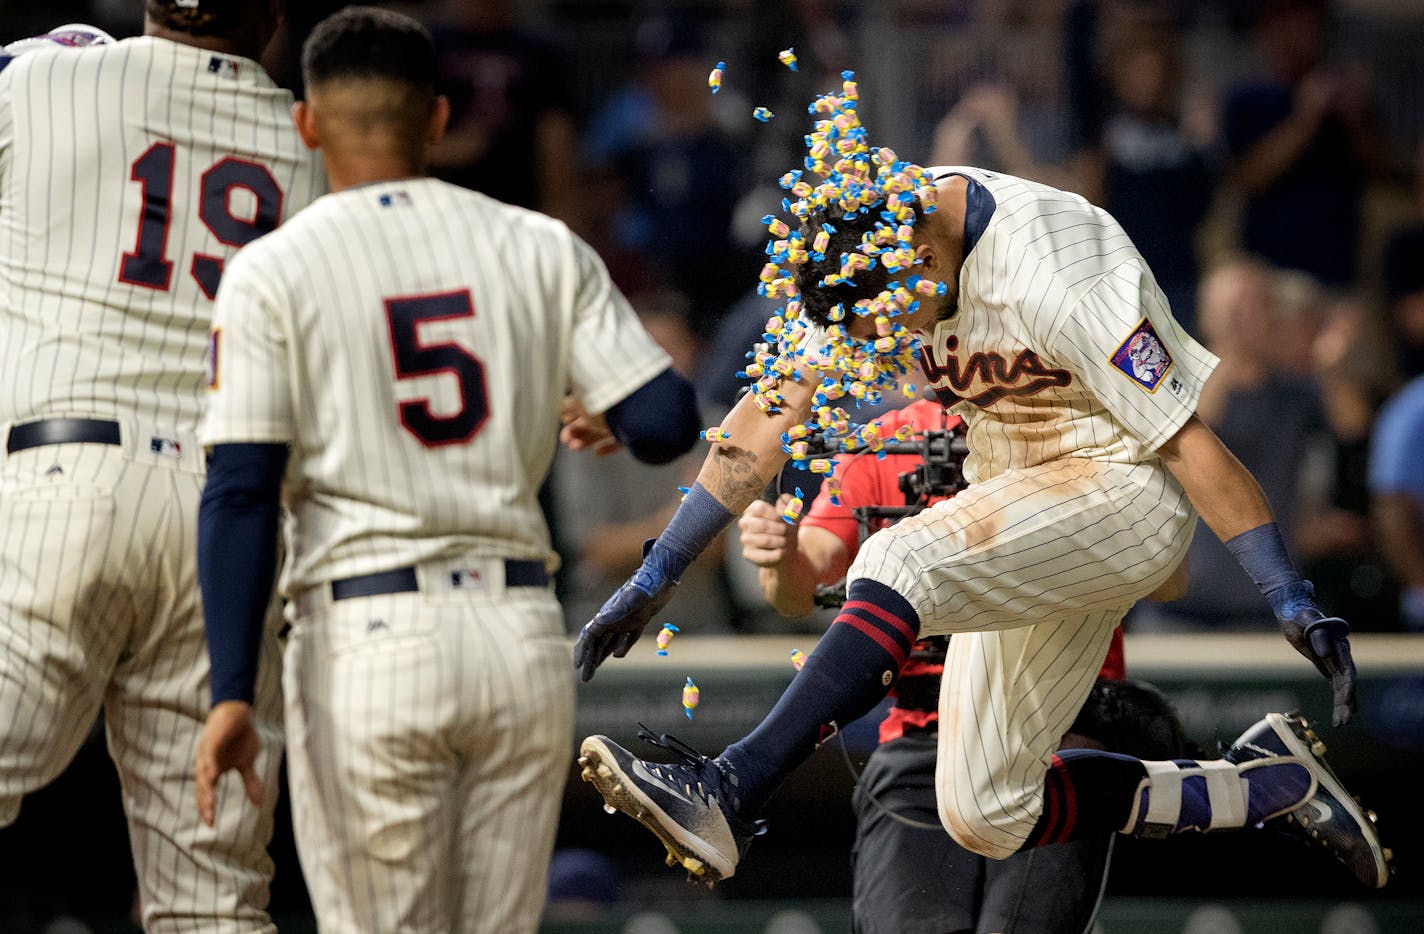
x: 1062, y: 345
x: 412, y: 340
x: 144, y: 166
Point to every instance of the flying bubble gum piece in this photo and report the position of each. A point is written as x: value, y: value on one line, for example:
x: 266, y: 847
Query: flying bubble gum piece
x: 788, y: 58
x: 792, y: 512
x: 691, y: 697
x: 798, y: 659
x: 714, y: 80
x: 664, y: 637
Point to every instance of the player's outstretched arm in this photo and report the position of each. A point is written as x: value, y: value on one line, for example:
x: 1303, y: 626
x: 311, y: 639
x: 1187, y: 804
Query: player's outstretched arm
x: 1233, y: 506
x: 735, y: 472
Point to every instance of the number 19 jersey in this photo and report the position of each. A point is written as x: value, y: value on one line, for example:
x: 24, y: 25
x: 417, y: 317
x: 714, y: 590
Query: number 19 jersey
x: 412, y: 342
x: 119, y: 207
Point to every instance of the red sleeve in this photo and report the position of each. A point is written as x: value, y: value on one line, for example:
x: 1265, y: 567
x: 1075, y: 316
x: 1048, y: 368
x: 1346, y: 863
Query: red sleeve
x: 1115, y: 664
x: 867, y: 480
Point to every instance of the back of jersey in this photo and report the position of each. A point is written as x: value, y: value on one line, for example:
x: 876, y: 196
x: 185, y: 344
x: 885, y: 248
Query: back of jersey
x: 129, y: 176
x: 428, y: 334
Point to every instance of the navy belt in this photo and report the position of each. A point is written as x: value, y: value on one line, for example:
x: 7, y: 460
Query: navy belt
x: 403, y: 580
x: 62, y: 431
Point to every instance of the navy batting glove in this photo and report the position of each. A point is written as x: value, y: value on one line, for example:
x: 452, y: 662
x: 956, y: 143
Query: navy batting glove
x: 1325, y: 640
x: 620, y: 622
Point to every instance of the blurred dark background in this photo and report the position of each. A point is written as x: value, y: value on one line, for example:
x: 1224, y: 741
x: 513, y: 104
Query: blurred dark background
x: 1266, y: 156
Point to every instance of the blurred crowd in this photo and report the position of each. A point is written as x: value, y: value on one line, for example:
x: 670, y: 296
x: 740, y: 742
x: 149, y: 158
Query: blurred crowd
x: 1266, y: 156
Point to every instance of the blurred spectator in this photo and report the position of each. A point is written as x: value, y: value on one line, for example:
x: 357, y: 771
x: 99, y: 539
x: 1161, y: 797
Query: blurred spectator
x: 1338, y: 343
x: 1303, y: 143
x: 983, y: 129
x: 1397, y: 486
x: 1404, y: 285
x: 665, y: 140
x: 608, y: 505
x: 1269, y: 419
x: 1148, y: 168
x: 511, y: 135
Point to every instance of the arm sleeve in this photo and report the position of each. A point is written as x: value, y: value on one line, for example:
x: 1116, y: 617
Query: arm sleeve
x: 237, y: 558
x: 658, y: 423
x: 611, y: 353
x: 1122, y: 342
x: 249, y: 389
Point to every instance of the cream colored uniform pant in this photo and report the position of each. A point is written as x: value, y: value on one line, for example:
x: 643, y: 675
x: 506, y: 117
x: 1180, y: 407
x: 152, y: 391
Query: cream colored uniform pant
x: 99, y: 608
x: 429, y: 736
x: 1031, y: 571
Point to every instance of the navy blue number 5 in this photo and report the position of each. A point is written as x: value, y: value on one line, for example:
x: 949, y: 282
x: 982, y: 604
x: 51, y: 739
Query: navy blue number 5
x: 414, y: 358
x: 147, y: 265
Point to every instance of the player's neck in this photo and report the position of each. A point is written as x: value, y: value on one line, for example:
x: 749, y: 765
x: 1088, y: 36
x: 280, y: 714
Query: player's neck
x: 352, y: 170
x: 223, y: 46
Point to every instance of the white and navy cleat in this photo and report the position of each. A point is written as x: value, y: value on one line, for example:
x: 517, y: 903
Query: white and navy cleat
x: 1330, y: 817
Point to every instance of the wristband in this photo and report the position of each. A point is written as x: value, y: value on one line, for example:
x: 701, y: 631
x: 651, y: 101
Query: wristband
x: 696, y: 524
x: 1262, y: 552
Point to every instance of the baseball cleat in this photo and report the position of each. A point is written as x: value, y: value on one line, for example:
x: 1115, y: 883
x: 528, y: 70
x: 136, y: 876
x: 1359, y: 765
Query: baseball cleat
x: 688, y: 805
x: 1330, y: 817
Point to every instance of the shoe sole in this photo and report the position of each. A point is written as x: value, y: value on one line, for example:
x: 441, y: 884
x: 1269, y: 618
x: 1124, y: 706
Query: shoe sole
x: 1304, y: 744
x: 624, y: 796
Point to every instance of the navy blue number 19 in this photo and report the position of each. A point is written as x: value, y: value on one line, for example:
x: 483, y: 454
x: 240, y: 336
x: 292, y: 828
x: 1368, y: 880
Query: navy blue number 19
x: 147, y: 265
x: 414, y: 358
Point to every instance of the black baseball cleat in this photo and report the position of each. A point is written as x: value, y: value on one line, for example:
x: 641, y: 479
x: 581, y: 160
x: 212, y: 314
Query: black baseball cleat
x: 1330, y: 817
x: 690, y: 805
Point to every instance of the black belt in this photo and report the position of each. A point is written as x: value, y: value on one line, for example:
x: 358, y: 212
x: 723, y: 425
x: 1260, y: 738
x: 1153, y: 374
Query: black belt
x: 403, y: 580
x: 62, y: 431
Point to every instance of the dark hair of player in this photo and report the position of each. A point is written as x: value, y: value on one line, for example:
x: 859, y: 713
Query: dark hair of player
x: 817, y: 300
x: 219, y: 18
x: 370, y: 43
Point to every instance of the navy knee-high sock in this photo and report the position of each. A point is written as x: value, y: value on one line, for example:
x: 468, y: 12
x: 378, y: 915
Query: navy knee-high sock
x: 1087, y: 793
x: 851, y: 670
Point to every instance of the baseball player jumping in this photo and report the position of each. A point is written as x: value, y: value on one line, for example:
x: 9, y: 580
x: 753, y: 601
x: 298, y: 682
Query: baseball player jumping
x: 130, y: 174
x: 391, y: 365
x: 1050, y: 337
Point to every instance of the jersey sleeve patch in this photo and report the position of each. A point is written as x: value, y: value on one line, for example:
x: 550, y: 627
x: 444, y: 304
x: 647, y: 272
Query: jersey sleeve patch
x: 214, y: 342
x: 1143, y: 358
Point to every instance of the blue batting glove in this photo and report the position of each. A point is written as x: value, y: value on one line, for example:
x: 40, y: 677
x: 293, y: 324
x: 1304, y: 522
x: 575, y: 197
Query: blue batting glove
x: 1324, y: 640
x: 620, y: 622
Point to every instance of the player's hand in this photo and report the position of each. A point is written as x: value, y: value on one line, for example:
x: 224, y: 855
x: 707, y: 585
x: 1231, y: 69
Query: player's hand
x: 1325, y: 640
x: 582, y: 431
x: 620, y: 622
x: 767, y: 539
x: 229, y: 741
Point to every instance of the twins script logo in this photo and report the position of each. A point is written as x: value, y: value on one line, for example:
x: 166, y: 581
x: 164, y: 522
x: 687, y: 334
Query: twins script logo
x: 989, y: 374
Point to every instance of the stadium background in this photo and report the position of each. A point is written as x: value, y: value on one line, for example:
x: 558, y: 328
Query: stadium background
x: 668, y: 181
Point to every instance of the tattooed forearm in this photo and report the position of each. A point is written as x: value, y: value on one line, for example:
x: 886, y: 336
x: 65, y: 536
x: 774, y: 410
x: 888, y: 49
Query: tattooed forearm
x: 730, y: 474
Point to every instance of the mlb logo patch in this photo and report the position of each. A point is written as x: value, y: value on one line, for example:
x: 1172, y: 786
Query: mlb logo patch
x: 467, y: 579
x: 224, y: 67
x: 394, y: 199
x: 1142, y: 357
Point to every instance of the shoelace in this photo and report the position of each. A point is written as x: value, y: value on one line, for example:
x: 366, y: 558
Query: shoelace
x: 687, y: 771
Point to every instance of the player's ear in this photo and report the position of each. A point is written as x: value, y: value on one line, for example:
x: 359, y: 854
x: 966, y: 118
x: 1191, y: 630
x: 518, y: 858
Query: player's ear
x: 305, y: 122
x: 928, y: 257
x: 439, y: 118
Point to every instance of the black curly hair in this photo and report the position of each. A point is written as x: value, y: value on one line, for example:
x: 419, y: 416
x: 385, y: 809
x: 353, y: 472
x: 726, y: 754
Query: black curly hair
x: 818, y: 300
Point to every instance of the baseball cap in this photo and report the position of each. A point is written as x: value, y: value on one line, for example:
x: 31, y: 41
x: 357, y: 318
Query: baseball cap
x: 70, y: 35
